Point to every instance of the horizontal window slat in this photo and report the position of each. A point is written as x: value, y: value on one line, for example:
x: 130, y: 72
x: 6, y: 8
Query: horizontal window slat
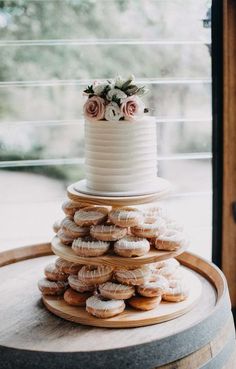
x: 93, y: 42
x: 64, y: 122
x: 146, y: 81
x: 75, y: 161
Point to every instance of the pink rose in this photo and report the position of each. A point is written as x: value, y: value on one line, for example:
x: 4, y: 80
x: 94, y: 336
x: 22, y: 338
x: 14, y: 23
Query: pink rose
x: 132, y: 107
x: 94, y: 108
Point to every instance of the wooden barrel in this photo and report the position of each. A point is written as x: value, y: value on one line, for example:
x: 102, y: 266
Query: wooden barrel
x: 31, y: 337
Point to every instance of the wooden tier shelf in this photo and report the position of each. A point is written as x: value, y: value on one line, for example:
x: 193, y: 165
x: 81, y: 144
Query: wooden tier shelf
x: 66, y: 252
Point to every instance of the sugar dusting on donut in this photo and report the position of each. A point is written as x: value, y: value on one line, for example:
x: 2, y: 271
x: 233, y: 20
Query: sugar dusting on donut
x: 100, y: 303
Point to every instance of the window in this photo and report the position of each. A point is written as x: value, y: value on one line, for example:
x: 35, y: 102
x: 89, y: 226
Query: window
x: 49, y: 51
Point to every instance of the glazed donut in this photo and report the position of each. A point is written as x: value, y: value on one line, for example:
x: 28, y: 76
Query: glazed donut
x: 91, y: 215
x: 149, y: 230
x: 67, y: 267
x: 133, y: 277
x: 126, y: 217
x: 70, y: 207
x: 177, y: 291
x: 106, y: 232
x: 129, y: 246
x: 56, y: 225
x: 169, y: 241
x: 78, y: 285
x: 89, y: 246
x: 52, y: 273
x: 73, y: 230
x: 144, y: 303
x: 103, y: 308
x: 166, y: 268
x: 64, y: 238
x: 111, y: 290
x: 75, y: 298
x: 54, y: 288
x: 151, y: 289
x: 95, y: 274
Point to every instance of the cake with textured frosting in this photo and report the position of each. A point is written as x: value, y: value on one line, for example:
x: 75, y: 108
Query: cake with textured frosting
x: 120, y: 139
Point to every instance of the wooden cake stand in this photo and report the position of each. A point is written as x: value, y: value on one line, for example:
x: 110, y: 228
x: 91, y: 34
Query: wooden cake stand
x: 130, y: 317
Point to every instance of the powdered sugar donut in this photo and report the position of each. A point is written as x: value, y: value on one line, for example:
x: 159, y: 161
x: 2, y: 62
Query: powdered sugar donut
x: 133, y: 277
x: 126, y: 217
x: 107, y: 232
x: 75, y: 298
x: 73, y: 230
x: 149, y: 230
x: 90, y: 216
x: 89, y: 246
x: 54, y: 288
x: 56, y: 225
x: 144, y: 303
x: 54, y: 274
x: 95, y: 274
x: 169, y: 241
x: 67, y: 267
x: 177, y: 291
x: 166, y: 268
x: 117, y: 291
x: 70, y: 207
x: 78, y: 285
x: 157, y: 288
x: 152, y: 214
x: 129, y: 246
x: 64, y: 238
x: 103, y: 308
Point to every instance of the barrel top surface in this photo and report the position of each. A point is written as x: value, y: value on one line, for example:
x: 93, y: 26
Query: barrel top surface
x: 26, y: 324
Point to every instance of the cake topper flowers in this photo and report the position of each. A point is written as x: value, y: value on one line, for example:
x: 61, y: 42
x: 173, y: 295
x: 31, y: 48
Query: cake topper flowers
x: 115, y: 100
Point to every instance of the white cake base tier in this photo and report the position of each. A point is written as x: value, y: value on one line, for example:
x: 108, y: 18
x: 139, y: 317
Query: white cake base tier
x: 121, y: 156
x: 159, y: 185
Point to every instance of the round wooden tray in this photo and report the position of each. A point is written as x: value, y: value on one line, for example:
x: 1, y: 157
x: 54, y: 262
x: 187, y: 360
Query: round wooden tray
x: 66, y: 252
x: 164, y: 188
x: 31, y: 337
x: 130, y: 317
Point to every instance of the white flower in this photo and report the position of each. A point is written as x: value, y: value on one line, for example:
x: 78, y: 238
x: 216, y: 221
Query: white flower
x: 98, y: 88
x: 119, y: 81
x: 115, y: 92
x: 113, y: 112
x: 131, y: 78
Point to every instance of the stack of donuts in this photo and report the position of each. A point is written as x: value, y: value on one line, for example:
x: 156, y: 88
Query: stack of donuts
x: 129, y: 232
x: 105, y: 291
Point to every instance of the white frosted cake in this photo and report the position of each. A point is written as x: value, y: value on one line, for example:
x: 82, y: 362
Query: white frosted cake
x: 121, y: 156
x: 120, y: 139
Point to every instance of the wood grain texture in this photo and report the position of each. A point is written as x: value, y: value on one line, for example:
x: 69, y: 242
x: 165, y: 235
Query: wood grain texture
x: 229, y: 178
x: 66, y: 252
x: 31, y: 337
x: 75, y: 195
x: 130, y: 317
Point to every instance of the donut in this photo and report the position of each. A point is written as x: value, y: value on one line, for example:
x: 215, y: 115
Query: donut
x: 133, y: 277
x: 149, y: 230
x: 67, y: 267
x: 54, y: 288
x: 95, y: 274
x: 54, y: 274
x: 169, y: 241
x: 152, y: 214
x: 126, y: 217
x: 106, y: 232
x: 151, y: 289
x: 91, y: 215
x: 102, y: 308
x: 166, y: 268
x: 56, y: 225
x: 177, y: 291
x: 116, y: 291
x: 171, y: 262
x: 172, y: 224
x: 70, y: 207
x: 73, y: 230
x: 144, y: 303
x: 64, y: 238
x: 129, y: 246
x: 89, y: 246
x: 78, y: 285
x: 75, y: 298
